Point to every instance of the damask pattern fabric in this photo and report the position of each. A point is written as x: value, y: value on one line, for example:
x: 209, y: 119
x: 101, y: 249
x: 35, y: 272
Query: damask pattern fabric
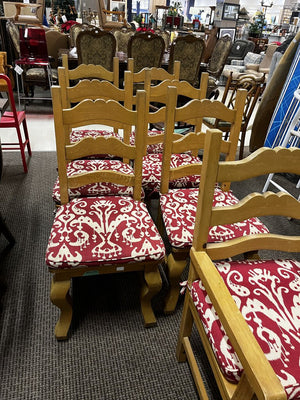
x: 179, y: 212
x: 147, y: 53
x: 98, y: 231
x: 97, y: 50
x: 151, y: 148
x: 99, y: 188
x: 267, y: 294
x: 152, y: 164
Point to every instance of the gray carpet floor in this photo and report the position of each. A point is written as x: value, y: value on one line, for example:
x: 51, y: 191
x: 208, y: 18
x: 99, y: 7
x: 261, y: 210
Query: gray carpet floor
x: 109, y: 355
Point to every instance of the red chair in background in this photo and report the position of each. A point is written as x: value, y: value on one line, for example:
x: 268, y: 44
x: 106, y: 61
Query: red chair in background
x: 14, y: 119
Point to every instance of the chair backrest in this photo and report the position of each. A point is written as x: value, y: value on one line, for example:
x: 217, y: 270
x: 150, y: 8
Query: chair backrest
x: 165, y: 35
x: 219, y: 56
x: 104, y: 112
x: 193, y: 113
x: 9, y: 90
x: 95, y: 89
x: 108, y: 25
x: 263, y: 161
x: 239, y: 49
x: 56, y: 40
x: 14, y: 38
x: 96, y: 47
x: 75, y: 30
x: 266, y: 61
x: 122, y: 38
x: 84, y: 71
x: 33, y: 44
x: 147, y: 49
x: 188, y: 50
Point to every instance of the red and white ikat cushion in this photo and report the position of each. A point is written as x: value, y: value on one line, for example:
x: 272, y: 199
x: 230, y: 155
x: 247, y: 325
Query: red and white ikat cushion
x: 267, y: 294
x: 151, y: 148
x: 152, y: 164
x: 179, y: 212
x: 97, y: 231
x: 100, y: 188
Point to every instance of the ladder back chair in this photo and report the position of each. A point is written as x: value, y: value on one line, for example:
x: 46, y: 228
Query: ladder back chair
x: 244, y: 310
x: 178, y: 206
x: 95, y: 89
x: 254, y: 89
x: 106, y: 234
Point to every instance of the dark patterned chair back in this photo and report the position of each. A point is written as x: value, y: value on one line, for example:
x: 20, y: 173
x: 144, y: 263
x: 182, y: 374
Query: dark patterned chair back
x: 239, y: 49
x: 146, y: 49
x: 188, y: 50
x: 122, y: 38
x: 96, y: 47
x: 219, y: 56
x: 14, y: 38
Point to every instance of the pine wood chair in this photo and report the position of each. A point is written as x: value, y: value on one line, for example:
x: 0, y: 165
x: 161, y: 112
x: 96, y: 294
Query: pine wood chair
x: 84, y: 71
x: 254, y: 89
x: 152, y: 161
x: 95, y: 89
x: 244, y: 310
x: 188, y: 50
x: 14, y: 119
x: 178, y: 206
x: 107, y: 25
x: 106, y: 234
x: 95, y: 46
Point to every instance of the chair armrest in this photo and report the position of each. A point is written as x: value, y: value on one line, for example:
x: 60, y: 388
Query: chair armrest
x: 255, y: 364
x: 254, y: 67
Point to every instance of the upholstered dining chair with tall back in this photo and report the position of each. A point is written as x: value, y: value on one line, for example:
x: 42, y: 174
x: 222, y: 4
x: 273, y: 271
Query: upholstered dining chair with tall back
x: 55, y: 41
x: 14, y: 119
x: 216, y: 62
x: 188, y: 50
x: 178, y: 206
x: 106, y: 234
x: 147, y: 49
x: 244, y: 311
x: 96, y: 47
x: 75, y: 30
x: 122, y: 37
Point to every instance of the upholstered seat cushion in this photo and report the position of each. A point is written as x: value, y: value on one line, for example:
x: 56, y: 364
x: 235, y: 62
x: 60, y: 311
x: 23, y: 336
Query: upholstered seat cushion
x: 179, y: 211
x: 99, y: 188
x: 102, y: 230
x: 152, y: 164
x: 267, y: 294
x: 151, y: 148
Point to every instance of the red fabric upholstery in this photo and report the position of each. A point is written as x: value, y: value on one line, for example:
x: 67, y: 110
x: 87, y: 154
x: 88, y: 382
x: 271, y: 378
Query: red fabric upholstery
x: 268, y: 295
x: 152, y: 171
x: 96, y: 189
x: 151, y: 148
x: 179, y: 211
x: 103, y: 230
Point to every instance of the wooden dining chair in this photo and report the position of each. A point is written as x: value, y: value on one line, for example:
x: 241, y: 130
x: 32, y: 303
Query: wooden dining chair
x: 178, y: 206
x: 105, y: 234
x: 244, y: 310
x: 14, y: 119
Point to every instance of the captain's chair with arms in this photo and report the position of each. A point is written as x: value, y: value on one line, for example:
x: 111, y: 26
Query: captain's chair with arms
x: 244, y: 310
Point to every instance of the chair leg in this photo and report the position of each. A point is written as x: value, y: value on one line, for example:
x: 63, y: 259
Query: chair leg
x: 175, y: 268
x: 242, y: 144
x: 27, y: 137
x: 61, y: 298
x: 185, y: 330
x: 152, y: 284
x: 22, y: 149
x: 6, y: 232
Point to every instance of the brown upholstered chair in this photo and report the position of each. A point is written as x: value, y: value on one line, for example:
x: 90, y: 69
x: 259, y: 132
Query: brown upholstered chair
x: 122, y: 37
x: 147, y: 49
x: 188, y: 50
x: 55, y: 41
x: 96, y: 47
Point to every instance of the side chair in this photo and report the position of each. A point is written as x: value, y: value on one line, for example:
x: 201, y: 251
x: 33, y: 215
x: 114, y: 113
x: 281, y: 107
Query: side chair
x: 14, y: 119
x: 178, y: 206
x: 95, y: 46
x: 244, y: 311
x: 103, y: 234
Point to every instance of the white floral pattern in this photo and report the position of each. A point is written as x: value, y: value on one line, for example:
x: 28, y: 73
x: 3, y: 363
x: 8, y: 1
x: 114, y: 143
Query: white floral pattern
x: 97, y: 231
x: 179, y: 212
x: 268, y: 295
